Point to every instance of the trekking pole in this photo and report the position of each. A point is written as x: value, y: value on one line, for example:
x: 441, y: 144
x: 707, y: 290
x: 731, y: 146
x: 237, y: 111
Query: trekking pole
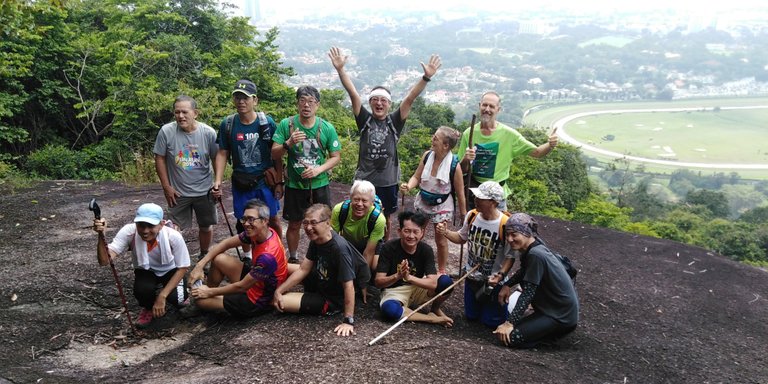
x: 231, y: 233
x: 466, y: 183
x: 404, y: 319
x: 97, y: 215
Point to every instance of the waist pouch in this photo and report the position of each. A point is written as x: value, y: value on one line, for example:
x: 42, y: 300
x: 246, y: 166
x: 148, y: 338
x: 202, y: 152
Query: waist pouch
x: 430, y: 198
x: 245, y: 181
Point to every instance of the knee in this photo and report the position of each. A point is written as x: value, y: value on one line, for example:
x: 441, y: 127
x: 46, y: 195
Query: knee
x: 443, y: 282
x: 392, y: 310
x: 205, y: 229
x: 294, y: 225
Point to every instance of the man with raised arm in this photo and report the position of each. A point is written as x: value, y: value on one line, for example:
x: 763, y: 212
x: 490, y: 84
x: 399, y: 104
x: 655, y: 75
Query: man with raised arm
x: 494, y: 146
x: 380, y: 130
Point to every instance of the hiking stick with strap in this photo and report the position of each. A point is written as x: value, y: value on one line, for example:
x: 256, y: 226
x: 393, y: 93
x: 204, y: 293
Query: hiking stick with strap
x: 97, y: 215
x: 405, y: 318
x: 466, y: 183
x: 231, y: 233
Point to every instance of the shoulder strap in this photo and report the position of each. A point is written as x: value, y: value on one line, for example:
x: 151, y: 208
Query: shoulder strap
x: 472, y: 216
x: 228, y: 134
x: 372, y: 219
x: 318, y: 136
x: 343, y: 213
x: 264, y: 125
x: 504, y: 217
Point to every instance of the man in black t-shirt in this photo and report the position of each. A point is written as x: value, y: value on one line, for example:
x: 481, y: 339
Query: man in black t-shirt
x: 406, y: 273
x: 329, y: 273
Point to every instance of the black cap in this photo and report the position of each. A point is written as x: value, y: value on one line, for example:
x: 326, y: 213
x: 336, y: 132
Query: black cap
x: 245, y: 87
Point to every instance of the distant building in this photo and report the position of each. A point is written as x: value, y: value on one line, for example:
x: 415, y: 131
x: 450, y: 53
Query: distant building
x: 252, y: 11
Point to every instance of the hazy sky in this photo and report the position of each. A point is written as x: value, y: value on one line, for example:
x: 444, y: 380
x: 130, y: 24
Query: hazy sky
x: 282, y: 9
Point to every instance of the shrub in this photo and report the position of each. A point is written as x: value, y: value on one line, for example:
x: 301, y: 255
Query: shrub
x: 58, y: 162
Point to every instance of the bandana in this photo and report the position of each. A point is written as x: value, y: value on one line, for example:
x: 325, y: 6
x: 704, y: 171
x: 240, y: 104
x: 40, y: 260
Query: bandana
x: 522, y: 223
x: 380, y: 92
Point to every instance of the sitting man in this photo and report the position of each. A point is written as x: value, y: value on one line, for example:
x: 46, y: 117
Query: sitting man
x: 160, y: 260
x: 328, y: 274
x: 252, y: 282
x: 360, y: 221
x: 406, y: 273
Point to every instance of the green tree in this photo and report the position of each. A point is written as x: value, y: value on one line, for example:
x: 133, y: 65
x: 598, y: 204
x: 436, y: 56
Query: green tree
x: 714, y: 201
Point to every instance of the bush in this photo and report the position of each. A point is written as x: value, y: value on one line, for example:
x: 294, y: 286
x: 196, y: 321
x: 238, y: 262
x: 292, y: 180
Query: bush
x: 58, y: 162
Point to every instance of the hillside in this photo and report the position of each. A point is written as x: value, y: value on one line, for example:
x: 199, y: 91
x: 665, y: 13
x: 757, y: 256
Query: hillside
x: 652, y: 311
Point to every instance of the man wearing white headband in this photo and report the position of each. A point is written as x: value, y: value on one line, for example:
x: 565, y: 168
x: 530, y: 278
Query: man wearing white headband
x: 380, y: 130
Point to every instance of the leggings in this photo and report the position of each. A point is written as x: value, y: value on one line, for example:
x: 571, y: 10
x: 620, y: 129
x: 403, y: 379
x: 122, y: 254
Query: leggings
x: 537, y: 328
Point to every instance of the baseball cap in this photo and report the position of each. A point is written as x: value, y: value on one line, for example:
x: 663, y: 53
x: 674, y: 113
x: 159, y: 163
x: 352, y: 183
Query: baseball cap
x: 489, y: 190
x: 245, y: 87
x: 149, y: 213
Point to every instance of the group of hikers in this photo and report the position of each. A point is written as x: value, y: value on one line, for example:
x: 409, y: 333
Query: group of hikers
x: 349, y: 249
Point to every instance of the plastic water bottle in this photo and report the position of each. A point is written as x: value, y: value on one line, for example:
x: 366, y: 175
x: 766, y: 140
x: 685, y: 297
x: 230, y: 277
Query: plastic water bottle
x: 197, y: 284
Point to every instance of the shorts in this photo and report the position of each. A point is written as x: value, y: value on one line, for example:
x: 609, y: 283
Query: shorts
x: 263, y: 193
x: 313, y: 303
x: 388, y: 196
x: 406, y: 294
x: 296, y: 201
x: 239, y: 305
x: 490, y: 313
x: 204, y: 207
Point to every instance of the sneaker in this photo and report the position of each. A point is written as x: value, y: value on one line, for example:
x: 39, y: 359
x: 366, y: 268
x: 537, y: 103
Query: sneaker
x: 145, y: 318
x: 293, y: 260
x: 191, y: 310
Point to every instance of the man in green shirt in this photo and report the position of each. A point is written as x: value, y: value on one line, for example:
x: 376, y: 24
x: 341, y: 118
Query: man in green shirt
x: 313, y: 149
x: 360, y: 221
x: 494, y: 146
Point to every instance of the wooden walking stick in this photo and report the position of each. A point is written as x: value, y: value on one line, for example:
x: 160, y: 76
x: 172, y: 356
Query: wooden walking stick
x: 466, y: 183
x: 405, y: 318
x: 97, y: 214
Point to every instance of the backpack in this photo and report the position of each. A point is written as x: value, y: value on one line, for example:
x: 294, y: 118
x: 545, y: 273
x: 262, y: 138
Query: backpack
x: 504, y: 216
x: 431, y: 198
x: 264, y: 132
x: 567, y: 264
x: 291, y: 129
x: 344, y: 213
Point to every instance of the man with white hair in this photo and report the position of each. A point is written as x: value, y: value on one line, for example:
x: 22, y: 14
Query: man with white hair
x: 360, y: 221
x: 380, y: 130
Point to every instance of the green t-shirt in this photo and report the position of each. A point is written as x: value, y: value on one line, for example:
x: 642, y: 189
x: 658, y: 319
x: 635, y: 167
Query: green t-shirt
x: 494, y: 153
x: 356, y: 231
x: 307, y: 152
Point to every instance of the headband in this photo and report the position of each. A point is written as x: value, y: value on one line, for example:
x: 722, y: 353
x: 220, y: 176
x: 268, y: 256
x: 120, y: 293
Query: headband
x: 380, y: 92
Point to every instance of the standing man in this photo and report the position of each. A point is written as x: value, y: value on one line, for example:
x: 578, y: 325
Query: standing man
x: 495, y: 145
x: 327, y: 273
x: 306, y: 138
x: 160, y: 260
x: 247, y: 137
x: 407, y: 274
x: 184, y: 153
x: 380, y: 130
x: 483, y: 230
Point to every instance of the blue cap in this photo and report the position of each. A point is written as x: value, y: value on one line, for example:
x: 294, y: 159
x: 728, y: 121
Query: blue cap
x: 149, y: 213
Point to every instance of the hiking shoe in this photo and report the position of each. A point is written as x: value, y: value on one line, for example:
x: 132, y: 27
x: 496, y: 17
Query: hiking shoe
x: 293, y: 260
x: 191, y: 310
x: 145, y: 318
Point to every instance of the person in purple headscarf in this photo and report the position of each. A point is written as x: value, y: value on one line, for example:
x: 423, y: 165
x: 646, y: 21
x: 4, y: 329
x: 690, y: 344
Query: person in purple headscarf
x: 545, y: 284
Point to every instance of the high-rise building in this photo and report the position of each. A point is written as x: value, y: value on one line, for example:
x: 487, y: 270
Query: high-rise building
x: 252, y: 11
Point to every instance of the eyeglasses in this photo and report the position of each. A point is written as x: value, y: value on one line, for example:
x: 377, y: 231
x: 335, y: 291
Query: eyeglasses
x: 376, y: 100
x: 249, y: 220
x: 308, y: 102
x: 312, y: 223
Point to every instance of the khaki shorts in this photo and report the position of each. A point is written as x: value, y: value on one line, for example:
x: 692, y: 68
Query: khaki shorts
x: 407, y: 294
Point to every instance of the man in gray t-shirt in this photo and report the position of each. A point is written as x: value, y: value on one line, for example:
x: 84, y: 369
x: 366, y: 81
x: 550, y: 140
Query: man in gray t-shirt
x: 380, y: 130
x: 184, y: 153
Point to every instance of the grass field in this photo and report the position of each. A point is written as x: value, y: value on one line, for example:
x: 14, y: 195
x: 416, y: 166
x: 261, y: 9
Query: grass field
x: 709, y: 134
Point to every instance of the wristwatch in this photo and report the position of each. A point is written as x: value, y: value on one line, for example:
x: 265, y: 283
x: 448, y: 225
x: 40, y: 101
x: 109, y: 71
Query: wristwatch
x: 286, y: 146
x: 348, y: 320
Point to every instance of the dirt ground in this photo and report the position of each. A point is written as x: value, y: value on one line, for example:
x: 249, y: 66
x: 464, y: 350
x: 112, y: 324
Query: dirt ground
x: 652, y: 311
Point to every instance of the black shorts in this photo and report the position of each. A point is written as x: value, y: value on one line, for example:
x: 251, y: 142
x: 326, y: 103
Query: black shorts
x: 313, y: 303
x: 388, y: 196
x: 296, y: 201
x: 238, y: 304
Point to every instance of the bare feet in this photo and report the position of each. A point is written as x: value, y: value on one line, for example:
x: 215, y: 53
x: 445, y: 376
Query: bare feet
x: 441, y: 318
